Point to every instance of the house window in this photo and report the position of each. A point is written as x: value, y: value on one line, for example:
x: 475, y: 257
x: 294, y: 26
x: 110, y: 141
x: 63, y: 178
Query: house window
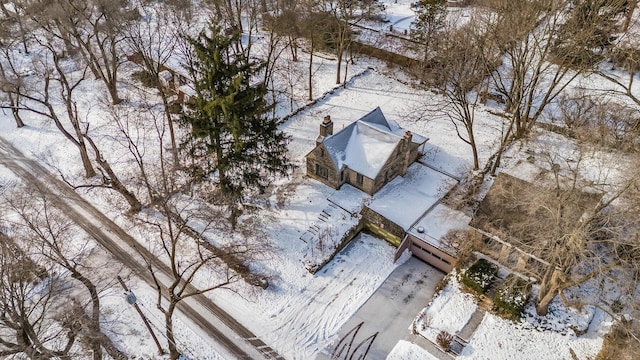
x: 322, y: 171
x: 359, y: 179
x: 342, y: 175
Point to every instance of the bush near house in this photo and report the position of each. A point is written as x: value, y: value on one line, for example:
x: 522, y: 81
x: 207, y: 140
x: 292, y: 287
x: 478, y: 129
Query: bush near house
x: 511, y: 297
x: 444, y: 340
x: 479, y: 276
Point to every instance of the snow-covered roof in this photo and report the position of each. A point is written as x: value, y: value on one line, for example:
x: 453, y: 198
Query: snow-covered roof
x: 365, y: 145
x: 436, y: 223
x: 407, y: 198
x: 188, y: 89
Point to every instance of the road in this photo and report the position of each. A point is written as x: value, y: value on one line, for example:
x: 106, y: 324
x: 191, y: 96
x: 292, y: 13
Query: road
x: 236, y: 338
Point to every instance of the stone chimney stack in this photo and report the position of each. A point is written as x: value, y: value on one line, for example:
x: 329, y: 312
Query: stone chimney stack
x: 407, y: 152
x: 326, y: 128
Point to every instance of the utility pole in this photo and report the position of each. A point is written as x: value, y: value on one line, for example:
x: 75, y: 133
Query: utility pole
x: 131, y: 299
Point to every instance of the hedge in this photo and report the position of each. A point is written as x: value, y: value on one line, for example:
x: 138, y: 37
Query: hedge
x: 479, y: 276
x: 511, y: 297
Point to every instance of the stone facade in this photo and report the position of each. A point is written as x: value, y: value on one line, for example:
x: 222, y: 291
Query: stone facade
x: 386, y: 228
x: 318, y: 160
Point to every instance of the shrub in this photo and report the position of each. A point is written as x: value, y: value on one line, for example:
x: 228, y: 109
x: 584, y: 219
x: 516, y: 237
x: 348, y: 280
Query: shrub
x: 444, y: 340
x: 421, y: 323
x: 479, y: 276
x: 511, y: 297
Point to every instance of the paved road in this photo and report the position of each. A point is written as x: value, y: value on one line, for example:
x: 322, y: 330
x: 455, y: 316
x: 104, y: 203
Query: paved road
x: 237, y: 339
x: 389, y: 311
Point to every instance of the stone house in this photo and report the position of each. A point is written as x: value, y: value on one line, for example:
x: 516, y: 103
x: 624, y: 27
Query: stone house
x: 366, y: 154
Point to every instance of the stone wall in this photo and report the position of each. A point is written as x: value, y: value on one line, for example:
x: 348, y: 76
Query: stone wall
x: 320, y: 156
x: 372, y: 218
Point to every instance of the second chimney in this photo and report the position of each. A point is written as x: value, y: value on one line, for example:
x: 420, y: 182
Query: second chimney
x: 326, y: 128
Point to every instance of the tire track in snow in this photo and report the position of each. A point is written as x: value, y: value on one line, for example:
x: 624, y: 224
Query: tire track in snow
x: 307, y: 324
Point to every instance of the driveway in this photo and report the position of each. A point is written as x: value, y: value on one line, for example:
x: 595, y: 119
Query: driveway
x: 388, y: 312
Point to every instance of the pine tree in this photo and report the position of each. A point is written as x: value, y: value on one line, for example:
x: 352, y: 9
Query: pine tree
x: 234, y: 139
x: 430, y: 19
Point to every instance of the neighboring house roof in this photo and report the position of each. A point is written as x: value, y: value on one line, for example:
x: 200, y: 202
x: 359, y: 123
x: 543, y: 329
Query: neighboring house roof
x: 365, y: 145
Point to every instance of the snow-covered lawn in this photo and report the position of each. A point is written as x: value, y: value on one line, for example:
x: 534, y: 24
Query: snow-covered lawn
x: 405, y: 350
x: 497, y: 338
x: 300, y: 313
x: 533, y: 337
x: 449, y: 311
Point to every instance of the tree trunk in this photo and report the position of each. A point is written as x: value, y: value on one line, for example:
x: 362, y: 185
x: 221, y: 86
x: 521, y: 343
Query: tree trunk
x: 114, y: 181
x: 15, y: 111
x: 113, y: 92
x: 94, y: 326
x: 346, y: 67
x: 340, y: 53
x: 167, y: 112
x: 542, y: 308
x: 79, y: 143
x: 18, y: 119
x: 89, y: 171
x: 548, y: 290
x: 474, y: 149
x: 174, y: 354
x: 311, y: 71
x: 293, y: 46
x: 629, y: 15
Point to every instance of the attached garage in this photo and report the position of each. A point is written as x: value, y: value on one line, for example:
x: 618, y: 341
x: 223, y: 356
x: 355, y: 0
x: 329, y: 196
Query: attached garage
x: 431, y: 255
x: 426, y: 239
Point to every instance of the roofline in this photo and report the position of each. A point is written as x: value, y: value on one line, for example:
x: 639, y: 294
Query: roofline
x: 372, y: 126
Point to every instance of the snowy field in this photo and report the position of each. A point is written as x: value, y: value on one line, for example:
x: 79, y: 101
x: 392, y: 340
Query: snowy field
x: 449, y: 311
x: 532, y: 337
x: 405, y: 350
x: 300, y: 314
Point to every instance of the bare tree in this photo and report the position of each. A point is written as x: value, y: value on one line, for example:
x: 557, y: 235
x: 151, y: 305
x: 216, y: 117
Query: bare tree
x: 15, y: 18
x: 33, y: 321
x: 9, y: 80
x: 37, y: 92
x: 52, y: 237
x: 177, y: 224
x: 37, y: 96
x: 598, y: 120
x: 94, y: 28
x: 153, y: 42
x: 188, y: 259
x: 625, y: 60
x: 581, y: 233
x: 540, y: 60
x: 457, y: 71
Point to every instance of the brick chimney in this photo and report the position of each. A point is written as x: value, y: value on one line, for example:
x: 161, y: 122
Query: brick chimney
x: 326, y: 128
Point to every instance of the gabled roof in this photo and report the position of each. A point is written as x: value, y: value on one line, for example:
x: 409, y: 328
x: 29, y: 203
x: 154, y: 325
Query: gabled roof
x: 365, y: 145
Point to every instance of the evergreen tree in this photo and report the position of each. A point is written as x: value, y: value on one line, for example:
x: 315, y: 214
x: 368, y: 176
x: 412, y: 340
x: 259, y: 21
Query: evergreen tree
x: 430, y: 18
x: 234, y: 139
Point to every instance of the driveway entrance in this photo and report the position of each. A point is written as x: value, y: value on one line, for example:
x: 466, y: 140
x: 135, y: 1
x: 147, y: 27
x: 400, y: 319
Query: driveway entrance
x: 387, y: 315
